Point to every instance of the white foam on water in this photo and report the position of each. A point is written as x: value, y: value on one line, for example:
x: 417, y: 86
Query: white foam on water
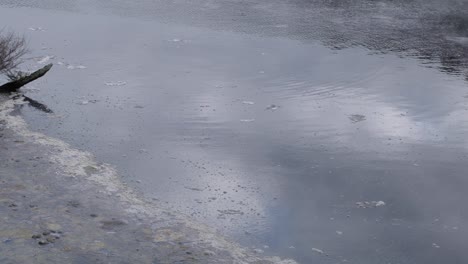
x: 74, y: 67
x: 74, y: 163
x: 45, y: 59
x: 318, y: 250
x: 36, y: 29
x: 118, y: 83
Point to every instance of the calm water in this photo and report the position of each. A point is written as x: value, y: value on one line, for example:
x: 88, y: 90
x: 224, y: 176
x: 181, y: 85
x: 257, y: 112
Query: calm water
x: 298, y: 127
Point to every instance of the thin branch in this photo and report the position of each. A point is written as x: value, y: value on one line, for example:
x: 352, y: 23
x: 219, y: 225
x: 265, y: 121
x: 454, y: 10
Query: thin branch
x: 12, y: 48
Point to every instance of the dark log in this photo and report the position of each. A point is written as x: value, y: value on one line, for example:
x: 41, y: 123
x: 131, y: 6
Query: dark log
x: 16, y: 84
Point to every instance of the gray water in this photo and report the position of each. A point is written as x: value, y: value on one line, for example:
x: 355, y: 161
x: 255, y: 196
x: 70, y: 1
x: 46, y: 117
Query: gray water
x: 324, y: 131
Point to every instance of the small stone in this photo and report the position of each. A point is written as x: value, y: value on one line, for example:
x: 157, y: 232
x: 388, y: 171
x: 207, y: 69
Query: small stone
x: 46, y: 233
x: 50, y: 239
x: 93, y: 215
x: 43, y: 242
x: 37, y: 236
x: 208, y: 253
x: 73, y: 203
x: 55, y: 235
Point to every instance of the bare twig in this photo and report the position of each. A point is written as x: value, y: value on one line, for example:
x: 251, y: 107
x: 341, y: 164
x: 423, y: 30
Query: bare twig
x: 12, y: 48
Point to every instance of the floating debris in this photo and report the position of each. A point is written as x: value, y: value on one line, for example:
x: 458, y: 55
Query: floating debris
x: 118, y: 83
x: 248, y: 102
x: 339, y: 232
x: 194, y: 189
x: 370, y: 204
x: 143, y: 150
x: 357, y: 118
x: 272, y: 107
x: 73, y: 67
x: 380, y: 203
x: 247, y: 120
x: 434, y: 245
x: 45, y: 59
x: 178, y: 40
x: 85, y: 102
x: 231, y: 212
x: 36, y: 29
x: 318, y: 250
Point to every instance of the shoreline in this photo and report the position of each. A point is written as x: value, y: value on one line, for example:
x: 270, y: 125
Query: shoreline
x: 47, y: 186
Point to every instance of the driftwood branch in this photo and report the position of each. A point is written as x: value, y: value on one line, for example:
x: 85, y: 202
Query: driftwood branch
x: 23, y: 80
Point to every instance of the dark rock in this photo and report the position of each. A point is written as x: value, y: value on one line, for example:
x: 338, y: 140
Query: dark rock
x: 43, y: 242
x: 73, y: 203
x: 111, y: 224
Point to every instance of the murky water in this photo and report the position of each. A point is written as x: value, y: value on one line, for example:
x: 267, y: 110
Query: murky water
x: 325, y: 131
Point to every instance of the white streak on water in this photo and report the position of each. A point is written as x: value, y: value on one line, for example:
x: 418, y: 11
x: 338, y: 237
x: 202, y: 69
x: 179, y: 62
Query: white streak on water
x: 45, y: 59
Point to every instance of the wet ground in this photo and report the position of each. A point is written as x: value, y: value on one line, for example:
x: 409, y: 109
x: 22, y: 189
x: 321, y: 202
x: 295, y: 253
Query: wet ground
x: 323, y: 131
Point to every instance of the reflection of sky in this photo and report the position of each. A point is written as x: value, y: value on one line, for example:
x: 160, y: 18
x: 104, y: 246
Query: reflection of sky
x: 294, y: 172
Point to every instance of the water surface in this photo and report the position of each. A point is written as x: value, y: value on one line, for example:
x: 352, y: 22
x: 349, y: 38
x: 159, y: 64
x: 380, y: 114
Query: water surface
x: 325, y: 131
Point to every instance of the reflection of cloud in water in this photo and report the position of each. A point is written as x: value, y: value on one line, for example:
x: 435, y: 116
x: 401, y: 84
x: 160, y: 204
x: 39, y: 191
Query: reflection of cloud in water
x: 219, y: 189
x: 307, y: 153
